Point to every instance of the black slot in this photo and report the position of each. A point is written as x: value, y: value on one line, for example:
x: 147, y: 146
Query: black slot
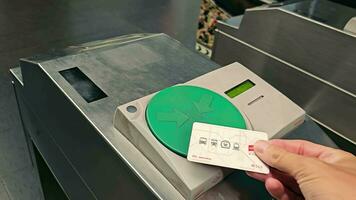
x: 82, y: 84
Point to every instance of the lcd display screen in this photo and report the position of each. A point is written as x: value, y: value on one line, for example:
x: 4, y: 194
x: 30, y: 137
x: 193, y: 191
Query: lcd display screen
x: 239, y: 89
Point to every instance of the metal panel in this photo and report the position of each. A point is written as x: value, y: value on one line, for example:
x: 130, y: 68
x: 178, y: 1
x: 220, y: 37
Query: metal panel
x: 70, y: 182
x: 88, y: 126
x: 328, y: 105
x: 47, y: 101
x: 324, y: 51
x: 324, y: 11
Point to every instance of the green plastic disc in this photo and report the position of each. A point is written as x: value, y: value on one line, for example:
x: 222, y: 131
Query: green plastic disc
x: 171, y: 113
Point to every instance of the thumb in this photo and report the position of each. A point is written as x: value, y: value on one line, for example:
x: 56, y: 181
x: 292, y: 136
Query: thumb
x: 276, y: 157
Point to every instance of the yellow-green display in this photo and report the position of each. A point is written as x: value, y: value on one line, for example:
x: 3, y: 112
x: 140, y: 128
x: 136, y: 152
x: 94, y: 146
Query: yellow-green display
x: 239, y: 89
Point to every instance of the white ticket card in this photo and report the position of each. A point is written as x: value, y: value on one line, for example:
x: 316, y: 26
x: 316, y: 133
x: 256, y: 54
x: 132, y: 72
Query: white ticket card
x: 226, y: 147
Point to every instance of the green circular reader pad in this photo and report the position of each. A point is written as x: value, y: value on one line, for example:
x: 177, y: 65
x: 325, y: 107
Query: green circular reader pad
x: 171, y: 113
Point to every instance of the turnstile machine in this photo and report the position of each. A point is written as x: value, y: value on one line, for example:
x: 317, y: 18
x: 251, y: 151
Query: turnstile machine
x: 80, y: 108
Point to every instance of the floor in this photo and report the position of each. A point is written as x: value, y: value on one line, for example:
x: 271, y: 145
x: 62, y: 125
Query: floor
x: 35, y: 26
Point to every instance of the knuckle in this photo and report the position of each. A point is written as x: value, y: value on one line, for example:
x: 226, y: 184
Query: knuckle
x: 344, y: 154
x: 337, y: 155
x: 277, y: 157
x: 292, y: 164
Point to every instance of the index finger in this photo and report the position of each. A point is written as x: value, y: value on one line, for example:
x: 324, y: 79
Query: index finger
x: 302, y: 147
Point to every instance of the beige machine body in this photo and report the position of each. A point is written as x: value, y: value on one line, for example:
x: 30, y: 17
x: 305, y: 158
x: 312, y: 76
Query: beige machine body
x: 263, y: 107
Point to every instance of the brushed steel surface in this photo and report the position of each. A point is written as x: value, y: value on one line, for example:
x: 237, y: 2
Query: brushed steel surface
x: 59, y: 165
x: 320, y: 49
x: 325, y: 103
x: 324, y: 11
x: 124, y: 76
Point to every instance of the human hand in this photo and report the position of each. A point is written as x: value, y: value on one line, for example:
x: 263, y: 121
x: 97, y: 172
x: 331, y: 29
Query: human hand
x: 301, y: 169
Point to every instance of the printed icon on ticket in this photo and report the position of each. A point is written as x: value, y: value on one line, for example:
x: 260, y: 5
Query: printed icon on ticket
x: 234, y: 149
x: 202, y: 140
x: 225, y: 144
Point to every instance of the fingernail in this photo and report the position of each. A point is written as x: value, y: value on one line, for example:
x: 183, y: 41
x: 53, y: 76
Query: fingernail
x: 260, y: 146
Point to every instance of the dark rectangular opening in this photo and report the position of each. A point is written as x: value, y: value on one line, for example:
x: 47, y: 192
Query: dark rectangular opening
x: 82, y: 84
